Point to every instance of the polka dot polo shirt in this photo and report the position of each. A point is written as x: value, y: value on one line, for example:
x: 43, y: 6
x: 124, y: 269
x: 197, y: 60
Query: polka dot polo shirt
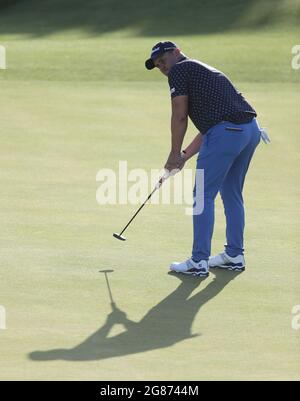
x: 212, y: 98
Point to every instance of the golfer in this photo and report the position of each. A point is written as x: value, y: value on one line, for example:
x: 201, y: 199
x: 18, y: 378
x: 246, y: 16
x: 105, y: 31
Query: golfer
x: 227, y: 138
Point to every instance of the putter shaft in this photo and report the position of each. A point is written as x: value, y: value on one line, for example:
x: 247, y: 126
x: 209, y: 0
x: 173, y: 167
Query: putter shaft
x: 157, y: 186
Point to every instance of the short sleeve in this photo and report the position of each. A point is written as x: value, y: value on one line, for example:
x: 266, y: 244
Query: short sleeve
x: 178, y: 81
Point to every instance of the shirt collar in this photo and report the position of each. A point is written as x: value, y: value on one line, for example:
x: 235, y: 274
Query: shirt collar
x: 182, y: 58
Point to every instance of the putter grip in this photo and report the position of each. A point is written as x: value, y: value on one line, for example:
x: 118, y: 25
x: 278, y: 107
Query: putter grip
x: 161, y: 180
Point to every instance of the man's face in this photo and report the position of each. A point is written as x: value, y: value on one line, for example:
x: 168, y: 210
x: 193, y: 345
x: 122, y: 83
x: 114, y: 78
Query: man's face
x: 166, y: 61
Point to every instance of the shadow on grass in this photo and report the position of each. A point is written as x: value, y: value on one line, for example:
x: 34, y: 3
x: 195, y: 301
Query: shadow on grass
x: 146, y: 18
x: 164, y: 325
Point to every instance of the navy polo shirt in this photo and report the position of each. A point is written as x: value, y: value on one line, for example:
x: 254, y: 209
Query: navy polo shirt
x: 212, y: 98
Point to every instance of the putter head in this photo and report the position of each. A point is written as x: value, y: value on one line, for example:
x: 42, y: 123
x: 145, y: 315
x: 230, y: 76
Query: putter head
x: 106, y: 271
x: 119, y: 237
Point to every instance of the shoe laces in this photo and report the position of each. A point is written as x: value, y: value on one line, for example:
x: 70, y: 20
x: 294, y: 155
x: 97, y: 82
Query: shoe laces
x: 225, y: 257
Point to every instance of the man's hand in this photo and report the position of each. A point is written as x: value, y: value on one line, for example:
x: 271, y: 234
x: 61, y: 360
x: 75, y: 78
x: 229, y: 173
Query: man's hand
x: 175, y: 162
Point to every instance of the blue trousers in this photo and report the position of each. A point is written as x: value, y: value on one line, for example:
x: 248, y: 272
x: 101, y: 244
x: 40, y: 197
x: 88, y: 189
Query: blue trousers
x: 224, y: 156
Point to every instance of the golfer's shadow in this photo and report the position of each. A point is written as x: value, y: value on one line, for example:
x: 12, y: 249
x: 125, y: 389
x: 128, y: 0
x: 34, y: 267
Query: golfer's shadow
x: 167, y: 323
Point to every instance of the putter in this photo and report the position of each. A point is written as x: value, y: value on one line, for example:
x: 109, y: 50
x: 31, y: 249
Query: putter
x: 112, y: 302
x: 157, y: 186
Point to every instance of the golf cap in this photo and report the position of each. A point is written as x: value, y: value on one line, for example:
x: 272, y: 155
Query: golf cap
x: 157, y: 50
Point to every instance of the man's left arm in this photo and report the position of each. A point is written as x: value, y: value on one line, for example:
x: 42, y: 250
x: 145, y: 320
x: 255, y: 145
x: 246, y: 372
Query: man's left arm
x: 179, y: 123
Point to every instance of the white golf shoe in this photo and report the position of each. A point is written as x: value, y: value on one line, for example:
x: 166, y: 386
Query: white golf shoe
x: 199, y: 269
x: 226, y: 262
